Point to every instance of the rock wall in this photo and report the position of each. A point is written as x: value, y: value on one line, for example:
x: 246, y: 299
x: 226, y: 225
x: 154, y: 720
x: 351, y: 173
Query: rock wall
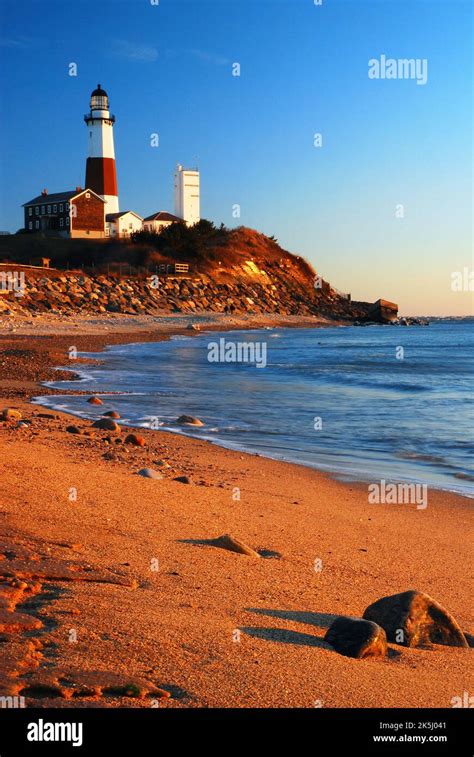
x: 61, y: 292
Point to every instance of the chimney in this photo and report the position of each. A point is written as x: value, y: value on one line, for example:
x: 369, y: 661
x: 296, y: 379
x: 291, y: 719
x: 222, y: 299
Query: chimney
x: 44, y: 192
x: 78, y: 189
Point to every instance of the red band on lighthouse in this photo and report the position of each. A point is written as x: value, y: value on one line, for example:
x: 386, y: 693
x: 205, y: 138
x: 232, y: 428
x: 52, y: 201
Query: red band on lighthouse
x: 101, y: 176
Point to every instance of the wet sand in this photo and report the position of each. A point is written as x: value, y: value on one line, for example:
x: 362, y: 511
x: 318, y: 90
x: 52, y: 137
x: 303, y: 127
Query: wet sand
x: 119, y: 593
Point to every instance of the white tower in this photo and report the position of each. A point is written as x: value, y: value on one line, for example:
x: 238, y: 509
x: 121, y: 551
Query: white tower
x: 186, y: 195
x: 101, y: 175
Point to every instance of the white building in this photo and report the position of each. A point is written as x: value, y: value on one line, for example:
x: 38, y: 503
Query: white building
x: 158, y: 221
x: 186, y: 195
x: 122, y: 224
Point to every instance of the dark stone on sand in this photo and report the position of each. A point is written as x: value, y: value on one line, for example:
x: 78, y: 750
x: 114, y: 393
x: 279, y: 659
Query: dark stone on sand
x: 73, y: 430
x: 95, y: 401
x: 414, y: 619
x: 112, y: 414
x: 183, y: 479
x: 50, y: 416
x: 150, y: 473
x: 107, y: 424
x: 135, y: 439
x: 354, y: 637
x: 189, y: 420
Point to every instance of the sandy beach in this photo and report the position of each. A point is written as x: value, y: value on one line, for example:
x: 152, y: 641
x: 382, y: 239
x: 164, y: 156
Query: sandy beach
x: 122, y: 601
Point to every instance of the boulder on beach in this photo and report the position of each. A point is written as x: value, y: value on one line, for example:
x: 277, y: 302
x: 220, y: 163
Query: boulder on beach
x: 112, y: 414
x: 414, y: 619
x: 226, y: 541
x: 10, y: 414
x: 95, y: 401
x: 150, y: 473
x: 135, y: 439
x: 354, y: 637
x: 73, y: 430
x: 189, y: 420
x: 183, y: 479
x: 161, y: 464
x: 107, y: 424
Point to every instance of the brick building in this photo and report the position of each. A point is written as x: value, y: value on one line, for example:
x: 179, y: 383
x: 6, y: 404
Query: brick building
x: 74, y: 214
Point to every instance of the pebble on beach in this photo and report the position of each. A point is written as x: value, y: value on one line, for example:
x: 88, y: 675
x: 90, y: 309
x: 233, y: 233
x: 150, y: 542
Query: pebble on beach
x: 107, y: 424
x: 10, y: 414
x: 135, y: 439
x: 150, y: 473
x: 226, y: 541
x: 354, y: 637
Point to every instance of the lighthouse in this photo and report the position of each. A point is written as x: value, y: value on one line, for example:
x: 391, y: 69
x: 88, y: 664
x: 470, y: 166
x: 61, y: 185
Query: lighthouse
x: 101, y: 175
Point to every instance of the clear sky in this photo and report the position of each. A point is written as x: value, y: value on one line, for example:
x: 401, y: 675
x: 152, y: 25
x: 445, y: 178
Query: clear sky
x: 167, y: 68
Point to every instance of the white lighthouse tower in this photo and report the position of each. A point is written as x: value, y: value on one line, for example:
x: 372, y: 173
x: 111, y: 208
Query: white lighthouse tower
x: 101, y: 175
x: 186, y: 194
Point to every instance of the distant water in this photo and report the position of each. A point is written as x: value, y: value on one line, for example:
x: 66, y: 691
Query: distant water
x: 401, y: 420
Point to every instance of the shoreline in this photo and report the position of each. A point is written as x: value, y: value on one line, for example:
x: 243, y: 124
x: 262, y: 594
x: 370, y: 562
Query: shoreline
x: 175, y: 629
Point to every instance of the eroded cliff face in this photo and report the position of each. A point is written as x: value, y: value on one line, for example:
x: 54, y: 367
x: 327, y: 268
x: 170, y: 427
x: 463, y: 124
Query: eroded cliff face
x: 241, y: 271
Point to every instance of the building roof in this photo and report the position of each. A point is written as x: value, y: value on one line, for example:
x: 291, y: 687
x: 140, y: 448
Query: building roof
x: 114, y: 216
x: 162, y: 215
x: 60, y: 197
x: 57, y: 197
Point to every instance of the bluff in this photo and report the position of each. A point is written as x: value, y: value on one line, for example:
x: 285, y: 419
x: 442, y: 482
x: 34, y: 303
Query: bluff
x: 233, y: 271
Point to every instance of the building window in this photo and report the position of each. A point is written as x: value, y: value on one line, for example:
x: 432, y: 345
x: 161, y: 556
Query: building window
x: 61, y: 207
x: 37, y: 210
x: 30, y: 211
x: 88, y: 195
x: 61, y: 221
x: 37, y: 224
x: 49, y: 209
x: 30, y: 225
x: 67, y: 206
x: 43, y: 210
x: 55, y: 208
x: 67, y: 221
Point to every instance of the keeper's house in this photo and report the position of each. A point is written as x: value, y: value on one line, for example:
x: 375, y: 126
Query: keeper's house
x: 77, y: 214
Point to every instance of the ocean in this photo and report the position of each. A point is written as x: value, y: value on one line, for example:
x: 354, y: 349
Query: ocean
x: 364, y: 403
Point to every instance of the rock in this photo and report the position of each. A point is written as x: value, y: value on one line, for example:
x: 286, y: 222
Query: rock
x: 233, y: 545
x: 107, y: 424
x: 150, y: 473
x: 414, y: 619
x: 189, y: 420
x: 183, y: 479
x: 73, y: 430
x: 135, y: 439
x: 193, y: 327
x: 111, y: 414
x: 10, y: 414
x: 50, y: 416
x: 95, y: 401
x: 161, y: 463
x: 354, y: 637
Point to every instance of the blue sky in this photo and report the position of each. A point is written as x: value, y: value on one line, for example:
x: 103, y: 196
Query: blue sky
x: 304, y: 69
